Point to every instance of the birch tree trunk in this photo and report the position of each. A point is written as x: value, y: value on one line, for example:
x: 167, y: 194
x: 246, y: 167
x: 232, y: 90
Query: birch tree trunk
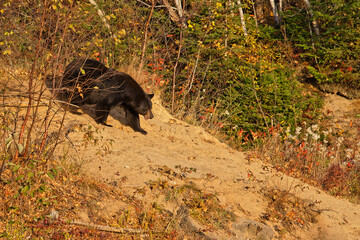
x: 179, y: 17
x: 275, y: 11
x: 255, y: 14
x: 242, y: 19
x: 179, y: 8
x: 313, y: 20
x: 102, y: 17
x: 280, y: 5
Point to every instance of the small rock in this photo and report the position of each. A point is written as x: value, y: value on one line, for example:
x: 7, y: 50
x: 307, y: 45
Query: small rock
x: 252, y: 229
x: 54, y: 214
x: 190, y: 226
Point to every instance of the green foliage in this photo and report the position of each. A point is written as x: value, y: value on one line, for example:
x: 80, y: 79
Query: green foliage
x: 333, y: 54
x: 258, y: 100
x: 236, y: 83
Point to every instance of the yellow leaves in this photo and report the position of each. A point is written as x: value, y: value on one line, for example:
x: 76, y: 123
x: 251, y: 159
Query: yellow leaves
x: 48, y: 56
x: 190, y: 25
x: 218, y: 45
x: 117, y: 41
x: 108, y: 17
x: 80, y: 90
x: 55, y: 7
x: 2, y: 10
x: 8, y: 33
x: 82, y: 72
x: 122, y: 32
x: 71, y: 26
x: 218, y: 5
x: 7, y: 52
x: 98, y: 43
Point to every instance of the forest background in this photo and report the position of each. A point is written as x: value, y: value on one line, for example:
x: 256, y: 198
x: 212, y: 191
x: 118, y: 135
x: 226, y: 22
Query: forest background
x: 244, y: 70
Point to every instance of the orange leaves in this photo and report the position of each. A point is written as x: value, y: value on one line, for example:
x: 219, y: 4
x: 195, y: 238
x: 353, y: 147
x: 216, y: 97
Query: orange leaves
x: 80, y: 91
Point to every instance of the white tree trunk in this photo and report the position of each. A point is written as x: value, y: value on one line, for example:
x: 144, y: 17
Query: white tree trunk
x: 242, y: 19
x: 101, y: 15
x: 179, y: 18
x: 255, y: 14
x: 275, y: 11
x: 179, y: 8
x: 313, y: 20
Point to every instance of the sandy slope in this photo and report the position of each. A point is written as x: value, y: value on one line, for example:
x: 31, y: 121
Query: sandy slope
x: 132, y: 159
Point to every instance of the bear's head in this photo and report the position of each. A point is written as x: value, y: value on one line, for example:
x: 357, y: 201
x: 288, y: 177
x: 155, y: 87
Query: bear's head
x: 143, y: 106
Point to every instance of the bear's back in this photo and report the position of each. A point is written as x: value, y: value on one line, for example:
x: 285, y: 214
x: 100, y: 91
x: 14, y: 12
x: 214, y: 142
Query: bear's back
x: 83, y: 71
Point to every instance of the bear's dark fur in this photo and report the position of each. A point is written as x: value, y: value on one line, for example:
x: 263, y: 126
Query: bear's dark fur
x: 92, y: 82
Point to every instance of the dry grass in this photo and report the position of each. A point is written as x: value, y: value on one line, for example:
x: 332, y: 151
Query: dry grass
x: 325, y: 155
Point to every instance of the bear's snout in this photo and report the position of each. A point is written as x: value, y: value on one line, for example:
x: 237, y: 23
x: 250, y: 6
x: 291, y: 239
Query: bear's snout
x: 148, y: 115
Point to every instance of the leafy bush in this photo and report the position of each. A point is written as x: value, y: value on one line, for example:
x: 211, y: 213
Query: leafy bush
x: 257, y: 102
x: 334, y: 54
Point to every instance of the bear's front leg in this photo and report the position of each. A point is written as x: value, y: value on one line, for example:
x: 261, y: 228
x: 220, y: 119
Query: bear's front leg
x: 132, y: 119
x: 102, y: 112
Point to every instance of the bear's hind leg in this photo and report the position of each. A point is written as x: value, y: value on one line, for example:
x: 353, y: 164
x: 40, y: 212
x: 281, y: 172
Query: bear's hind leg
x: 102, y: 112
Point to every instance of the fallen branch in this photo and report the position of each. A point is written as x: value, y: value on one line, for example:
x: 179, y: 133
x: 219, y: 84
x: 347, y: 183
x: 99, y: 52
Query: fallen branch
x: 43, y: 104
x: 112, y: 229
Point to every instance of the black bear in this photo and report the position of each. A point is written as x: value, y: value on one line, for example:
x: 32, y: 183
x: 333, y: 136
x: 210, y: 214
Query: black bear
x: 91, y: 82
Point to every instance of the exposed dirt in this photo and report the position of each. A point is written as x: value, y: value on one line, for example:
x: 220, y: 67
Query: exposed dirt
x: 242, y: 184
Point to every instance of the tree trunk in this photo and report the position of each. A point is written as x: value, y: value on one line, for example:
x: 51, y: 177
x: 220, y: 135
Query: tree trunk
x: 275, y: 11
x: 255, y: 15
x: 280, y: 5
x: 313, y: 20
x: 259, y: 9
x: 102, y: 17
x: 179, y: 18
x: 243, y: 24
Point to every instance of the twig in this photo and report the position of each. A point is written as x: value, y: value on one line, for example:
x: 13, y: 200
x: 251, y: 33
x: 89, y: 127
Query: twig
x: 44, y: 104
x: 145, y: 39
x: 259, y: 104
x: 61, y: 89
x: 193, y: 73
x: 175, y: 67
x: 31, y: 79
x: 2, y: 167
x: 112, y: 229
x: 148, y: 5
x: 67, y: 103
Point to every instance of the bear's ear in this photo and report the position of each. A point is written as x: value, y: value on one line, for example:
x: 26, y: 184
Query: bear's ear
x: 151, y: 95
